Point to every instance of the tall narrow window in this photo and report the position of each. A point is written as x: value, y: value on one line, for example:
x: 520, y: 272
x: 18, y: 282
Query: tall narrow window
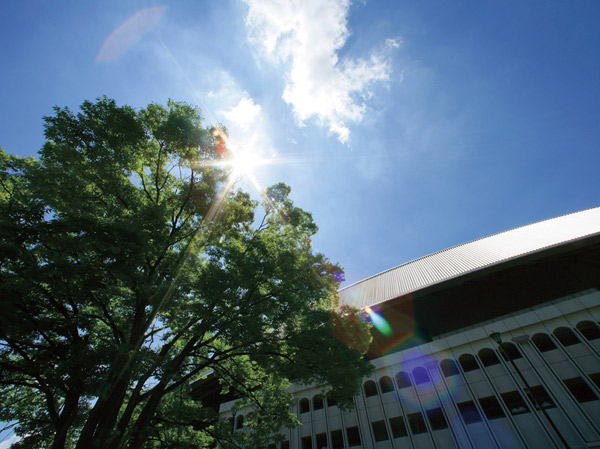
x: 566, y: 336
x: 321, y: 440
x: 468, y: 362
x: 402, y: 380
x: 285, y: 444
x: 337, y: 439
x: 304, y: 405
x: 416, y: 423
x: 510, y: 352
x: 543, y: 342
x: 436, y: 418
x: 491, y: 407
x: 514, y: 402
x: 380, y: 431
x: 353, y: 436
x: 449, y: 367
x: 306, y: 442
x: 318, y: 402
x: 370, y: 388
x: 579, y: 389
x: 239, y: 422
x: 488, y: 357
x: 469, y: 412
x: 398, y: 427
x: 386, y: 385
x: 589, y: 330
x: 542, y: 398
x: 420, y: 375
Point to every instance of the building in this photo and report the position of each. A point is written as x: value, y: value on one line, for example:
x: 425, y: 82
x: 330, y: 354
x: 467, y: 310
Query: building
x: 442, y: 381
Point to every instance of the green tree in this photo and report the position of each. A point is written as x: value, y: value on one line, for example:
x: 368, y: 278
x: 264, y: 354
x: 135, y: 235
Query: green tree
x: 130, y: 268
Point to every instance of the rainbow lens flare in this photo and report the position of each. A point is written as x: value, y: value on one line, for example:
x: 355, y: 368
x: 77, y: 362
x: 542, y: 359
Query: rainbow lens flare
x: 378, y: 321
x: 130, y: 32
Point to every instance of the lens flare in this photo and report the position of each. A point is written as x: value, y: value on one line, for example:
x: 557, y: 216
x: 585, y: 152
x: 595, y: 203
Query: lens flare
x: 244, y: 162
x: 130, y: 32
x: 379, y: 322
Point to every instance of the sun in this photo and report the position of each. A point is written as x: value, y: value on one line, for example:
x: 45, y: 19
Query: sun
x: 244, y: 162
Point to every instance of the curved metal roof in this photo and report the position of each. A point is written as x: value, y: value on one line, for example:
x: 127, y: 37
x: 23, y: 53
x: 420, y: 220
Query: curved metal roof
x: 471, y: 256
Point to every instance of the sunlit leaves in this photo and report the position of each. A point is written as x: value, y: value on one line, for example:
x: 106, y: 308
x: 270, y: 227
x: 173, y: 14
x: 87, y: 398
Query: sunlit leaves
x: 130, y: 268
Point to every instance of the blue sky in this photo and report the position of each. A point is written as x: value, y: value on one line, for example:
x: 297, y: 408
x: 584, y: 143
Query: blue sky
x: 405, y: 127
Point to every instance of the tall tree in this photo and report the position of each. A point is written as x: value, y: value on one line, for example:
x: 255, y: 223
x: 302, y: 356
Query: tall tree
x: 130, y: 267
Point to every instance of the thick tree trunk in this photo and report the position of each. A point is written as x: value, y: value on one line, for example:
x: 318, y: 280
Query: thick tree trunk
x: 103, y: 415
x: 142, y: 424
x: 67, y: 416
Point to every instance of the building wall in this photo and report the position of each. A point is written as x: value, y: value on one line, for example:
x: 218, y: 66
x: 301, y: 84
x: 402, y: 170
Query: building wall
x: 459, y: 391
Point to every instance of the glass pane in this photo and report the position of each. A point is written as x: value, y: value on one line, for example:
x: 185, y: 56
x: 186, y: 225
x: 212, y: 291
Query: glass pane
x: 449, y: 367
x: 437, y: 420
x: 370, y: 388
x: 542, y: 398
x: 318, y: 402
x: 488, y: 357
x: 566, y: 336
x: 353, y: 436
x: 416, y: 423
x: 579, y: 389
x: 514, y: 402
x: 468, y: 362
x: 491, y: 407
x: 402, y: 380
x: 398, y: 427
x: 469, y: 412
x: 321, y: 440
x: 386, y: 385
x: 304, y: 405
x: 589, y: 329
x: 379, y: 431
x: 421, y: 376
x: 337, y: 439
x: 543, y: 342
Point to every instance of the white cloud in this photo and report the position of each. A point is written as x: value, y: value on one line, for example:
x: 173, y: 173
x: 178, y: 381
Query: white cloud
x: 238, y: 111
x: 305, y: 36
x: 244, y: 114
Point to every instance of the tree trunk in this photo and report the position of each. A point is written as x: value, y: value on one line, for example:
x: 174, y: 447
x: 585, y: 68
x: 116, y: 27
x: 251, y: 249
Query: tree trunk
x: 143, y: 422
x: 103, y: 415
x: 67, y: 416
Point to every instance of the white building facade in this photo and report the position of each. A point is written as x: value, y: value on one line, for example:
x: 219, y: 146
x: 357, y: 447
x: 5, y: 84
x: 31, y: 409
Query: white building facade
x: 441, y: 378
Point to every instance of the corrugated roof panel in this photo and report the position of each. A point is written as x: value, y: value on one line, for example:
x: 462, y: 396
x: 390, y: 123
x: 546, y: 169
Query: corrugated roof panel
x: 471, y: 256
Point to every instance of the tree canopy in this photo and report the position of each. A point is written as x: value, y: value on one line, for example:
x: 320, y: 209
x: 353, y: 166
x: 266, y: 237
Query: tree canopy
x: 131, y: 268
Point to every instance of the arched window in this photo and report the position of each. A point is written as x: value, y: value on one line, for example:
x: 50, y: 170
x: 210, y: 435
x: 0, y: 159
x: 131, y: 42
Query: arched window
x: 386, y: 385
x: 239, y: 422
x: 468, y: 362
x: 566, y: 336
x: 402, y: 380
x: 543, y: 342
x: 304, y: 405
x: 510, y: 352
x: 318, y: 402
x: 589, y: 329
x: 488, y: 357
x: 370, y: 388
x: 449, y: 367
x: 420, y: 375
